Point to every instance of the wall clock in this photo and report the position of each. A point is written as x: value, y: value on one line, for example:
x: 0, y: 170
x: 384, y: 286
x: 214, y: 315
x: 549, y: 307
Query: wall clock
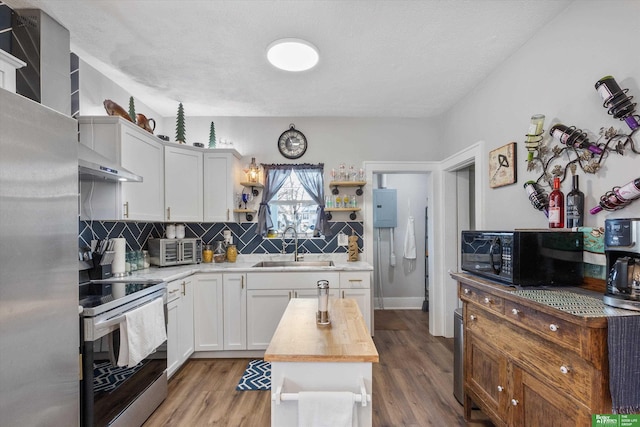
x: 502, y: 165
x: 292, y: 143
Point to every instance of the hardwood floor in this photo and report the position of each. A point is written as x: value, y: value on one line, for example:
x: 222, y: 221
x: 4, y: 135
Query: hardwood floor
x: 412, y: 384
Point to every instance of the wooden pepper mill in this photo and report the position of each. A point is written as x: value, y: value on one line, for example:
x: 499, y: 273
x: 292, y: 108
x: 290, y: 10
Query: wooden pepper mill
x: 352, y: 249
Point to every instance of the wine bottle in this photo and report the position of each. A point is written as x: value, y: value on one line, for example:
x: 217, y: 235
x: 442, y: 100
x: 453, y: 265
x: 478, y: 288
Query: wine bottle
x: 619, y: 197
x: 575, y: 205
x: 572, y: 137
x: 534, y: 136
x: 617, y: 101
x: 537, y: 197
x: 556, y: 205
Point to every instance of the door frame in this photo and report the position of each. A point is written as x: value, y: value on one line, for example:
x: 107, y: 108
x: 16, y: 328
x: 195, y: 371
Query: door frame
x: 443, y: 239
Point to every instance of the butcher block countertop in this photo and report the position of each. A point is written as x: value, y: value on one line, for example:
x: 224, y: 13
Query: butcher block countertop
x: 299, y: 339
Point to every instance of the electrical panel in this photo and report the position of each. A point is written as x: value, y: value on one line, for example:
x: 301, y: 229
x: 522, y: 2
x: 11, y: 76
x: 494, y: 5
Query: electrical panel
x: 385, y: 208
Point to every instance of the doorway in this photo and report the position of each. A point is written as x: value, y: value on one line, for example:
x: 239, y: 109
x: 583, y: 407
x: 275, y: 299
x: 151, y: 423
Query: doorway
x: 442, y: 224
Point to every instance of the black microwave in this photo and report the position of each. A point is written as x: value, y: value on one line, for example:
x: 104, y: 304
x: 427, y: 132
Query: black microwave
x: 524, y: 258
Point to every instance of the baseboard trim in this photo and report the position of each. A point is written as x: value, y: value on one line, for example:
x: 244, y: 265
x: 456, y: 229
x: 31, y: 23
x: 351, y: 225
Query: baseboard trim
x: 400, y: 303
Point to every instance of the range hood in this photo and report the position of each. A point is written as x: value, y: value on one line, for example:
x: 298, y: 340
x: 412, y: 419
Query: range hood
x: 93, y: 166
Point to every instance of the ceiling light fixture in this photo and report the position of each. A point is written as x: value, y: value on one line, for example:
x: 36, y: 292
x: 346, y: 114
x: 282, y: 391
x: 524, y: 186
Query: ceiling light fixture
x: 292, y: 54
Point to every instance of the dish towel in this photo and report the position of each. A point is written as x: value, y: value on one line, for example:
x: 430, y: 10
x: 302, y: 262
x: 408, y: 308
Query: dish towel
x: 624, y: 363
x: 326, y: 409
x: 410, y: 244
x: 141, y: 332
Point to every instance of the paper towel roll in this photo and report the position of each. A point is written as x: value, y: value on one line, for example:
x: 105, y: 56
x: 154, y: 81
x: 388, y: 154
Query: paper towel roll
x: 120, y: 249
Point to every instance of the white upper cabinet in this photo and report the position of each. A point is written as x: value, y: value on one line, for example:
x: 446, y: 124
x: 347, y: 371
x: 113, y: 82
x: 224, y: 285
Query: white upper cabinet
x: 136, y: 150
x: 221, y: 172
x: 183, y: 169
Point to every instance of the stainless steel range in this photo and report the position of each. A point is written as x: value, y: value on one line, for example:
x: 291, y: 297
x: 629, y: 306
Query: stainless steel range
x: 110, y: 394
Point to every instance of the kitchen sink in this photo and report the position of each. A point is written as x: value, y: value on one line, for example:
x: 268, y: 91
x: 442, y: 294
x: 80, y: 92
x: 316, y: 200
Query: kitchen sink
x: 294, y: 264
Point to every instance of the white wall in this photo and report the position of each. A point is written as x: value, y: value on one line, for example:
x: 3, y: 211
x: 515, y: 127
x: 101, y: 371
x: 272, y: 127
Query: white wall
x: 332, y: 140
x: 401, y: 286
x: 95, y: 88
x: 554, y: 74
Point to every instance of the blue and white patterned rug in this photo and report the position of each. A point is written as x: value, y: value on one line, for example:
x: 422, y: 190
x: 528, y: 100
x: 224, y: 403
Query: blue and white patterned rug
x: 257, y: 376
x: 107, y: 377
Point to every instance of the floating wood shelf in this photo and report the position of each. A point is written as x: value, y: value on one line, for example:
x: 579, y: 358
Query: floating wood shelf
x: 336, y: 184
x: 352, y: 210
x: 255, y: 187
x: 247, y: 212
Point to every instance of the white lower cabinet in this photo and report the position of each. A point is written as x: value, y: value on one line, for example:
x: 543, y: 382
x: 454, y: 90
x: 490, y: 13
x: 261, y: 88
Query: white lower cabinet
x: 234, y: 295
x: 180, y: 339
x: 268, y: 295
x: 208, y: 312
x: 357, y: 285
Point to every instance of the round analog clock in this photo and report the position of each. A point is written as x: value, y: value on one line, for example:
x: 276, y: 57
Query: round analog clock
x: 292, y: 143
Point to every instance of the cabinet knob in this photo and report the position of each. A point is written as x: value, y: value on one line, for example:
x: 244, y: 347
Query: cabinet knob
x: 565, y: 369
x: 515, y: 311
x: 487, y: 300
x: 473, y: 317
x: 553, y: 327
x: 514, y: 402
x: 467, y: 291
x: 500, y: 389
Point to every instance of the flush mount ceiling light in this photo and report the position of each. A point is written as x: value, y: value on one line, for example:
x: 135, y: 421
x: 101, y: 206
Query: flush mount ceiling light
x: 292, y: 54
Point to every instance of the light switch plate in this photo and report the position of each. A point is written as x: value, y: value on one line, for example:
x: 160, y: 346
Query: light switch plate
x: 342, y: 239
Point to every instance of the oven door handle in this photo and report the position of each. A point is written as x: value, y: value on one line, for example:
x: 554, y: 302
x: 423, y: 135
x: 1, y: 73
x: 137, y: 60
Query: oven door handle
x: 118, y: 319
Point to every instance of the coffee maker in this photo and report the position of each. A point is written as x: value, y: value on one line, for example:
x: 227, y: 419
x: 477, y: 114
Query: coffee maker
x: 622, y: 250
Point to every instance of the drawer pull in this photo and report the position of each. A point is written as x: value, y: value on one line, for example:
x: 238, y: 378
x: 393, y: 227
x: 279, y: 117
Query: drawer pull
x: 500, y: 389
x: 514, y: 402
x: 473, y: 317
x: 467, y: 291
x: 553, y: 327
x: 515, y: 311
x: 564, y: 369
x: 487, y: 301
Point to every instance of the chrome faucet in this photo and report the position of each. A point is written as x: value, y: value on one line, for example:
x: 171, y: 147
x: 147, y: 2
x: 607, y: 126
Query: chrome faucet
x: 296, y: 257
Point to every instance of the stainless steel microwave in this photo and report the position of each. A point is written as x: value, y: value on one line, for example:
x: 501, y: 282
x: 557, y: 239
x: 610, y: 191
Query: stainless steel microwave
x: 166, y: 252
x: 524, y: 258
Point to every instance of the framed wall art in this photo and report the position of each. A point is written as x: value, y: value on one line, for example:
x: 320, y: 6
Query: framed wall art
x: 502, y: 166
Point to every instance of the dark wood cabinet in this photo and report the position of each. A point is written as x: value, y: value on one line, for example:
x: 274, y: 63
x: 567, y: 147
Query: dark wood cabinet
x: 527, y: 363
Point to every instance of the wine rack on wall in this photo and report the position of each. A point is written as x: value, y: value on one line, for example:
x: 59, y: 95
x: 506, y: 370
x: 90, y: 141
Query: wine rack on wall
x: 565, y: 148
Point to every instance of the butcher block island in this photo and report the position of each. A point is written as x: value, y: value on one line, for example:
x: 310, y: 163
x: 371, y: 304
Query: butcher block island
x: 321, y: 373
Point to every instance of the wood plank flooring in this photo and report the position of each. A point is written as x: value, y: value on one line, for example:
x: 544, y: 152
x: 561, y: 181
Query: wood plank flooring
x: 412, y: 384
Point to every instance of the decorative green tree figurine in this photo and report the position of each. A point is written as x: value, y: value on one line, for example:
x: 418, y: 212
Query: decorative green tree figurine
x: 212, y: 136
x: 132, y: 110
x: 180, y: 131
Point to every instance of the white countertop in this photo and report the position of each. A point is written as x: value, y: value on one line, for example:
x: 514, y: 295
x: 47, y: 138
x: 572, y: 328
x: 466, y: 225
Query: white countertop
x: 245, y: 264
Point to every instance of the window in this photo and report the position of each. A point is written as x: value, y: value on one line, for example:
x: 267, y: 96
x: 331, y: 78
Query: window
x: 293, y: 195
x: 293, y: 206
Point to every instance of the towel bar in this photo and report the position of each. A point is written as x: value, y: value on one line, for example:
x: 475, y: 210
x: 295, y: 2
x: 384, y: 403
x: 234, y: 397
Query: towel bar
x: 361, y: 397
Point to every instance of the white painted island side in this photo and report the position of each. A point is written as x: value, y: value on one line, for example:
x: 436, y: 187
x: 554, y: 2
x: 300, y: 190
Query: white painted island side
x: 306, y: 357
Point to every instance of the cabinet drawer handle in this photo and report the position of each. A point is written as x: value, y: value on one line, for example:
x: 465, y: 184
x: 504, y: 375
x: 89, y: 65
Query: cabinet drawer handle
x: 126, y: 210
x: 289, y: 294
x: 174, y: 291
x: 342, y: 294
x: 515, y: 311
x: 565, y: 369
x: 487, y: 301
x: 467, y: 291
x: 184, y: 288
x: 500, y: 389
x: 473, y: 317
x: 514, y: 402
x: 553, y: 327
x: 168, y: 213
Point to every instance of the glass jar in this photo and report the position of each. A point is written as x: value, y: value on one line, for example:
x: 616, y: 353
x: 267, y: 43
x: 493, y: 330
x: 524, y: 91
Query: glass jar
x: 146, y: 259
x: 232, y: 253
x: 207, y: 254
x: 139, y: 260
x: 219, y: 252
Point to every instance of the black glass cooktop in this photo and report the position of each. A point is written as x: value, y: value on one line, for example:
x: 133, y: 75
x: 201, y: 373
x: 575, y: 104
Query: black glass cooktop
x: 96, y: 294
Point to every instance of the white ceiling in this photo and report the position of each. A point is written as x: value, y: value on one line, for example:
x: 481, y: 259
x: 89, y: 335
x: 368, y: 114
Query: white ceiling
x: 391, y: 58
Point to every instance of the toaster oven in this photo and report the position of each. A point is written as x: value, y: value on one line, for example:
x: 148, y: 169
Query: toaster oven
x: 166, y: 252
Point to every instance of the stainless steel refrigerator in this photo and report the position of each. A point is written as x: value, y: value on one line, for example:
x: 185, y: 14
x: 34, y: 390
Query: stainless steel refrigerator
x: 39, y: 338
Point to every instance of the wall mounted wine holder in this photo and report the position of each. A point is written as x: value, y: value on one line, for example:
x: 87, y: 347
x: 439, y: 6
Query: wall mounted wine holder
x: 553, y: 160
